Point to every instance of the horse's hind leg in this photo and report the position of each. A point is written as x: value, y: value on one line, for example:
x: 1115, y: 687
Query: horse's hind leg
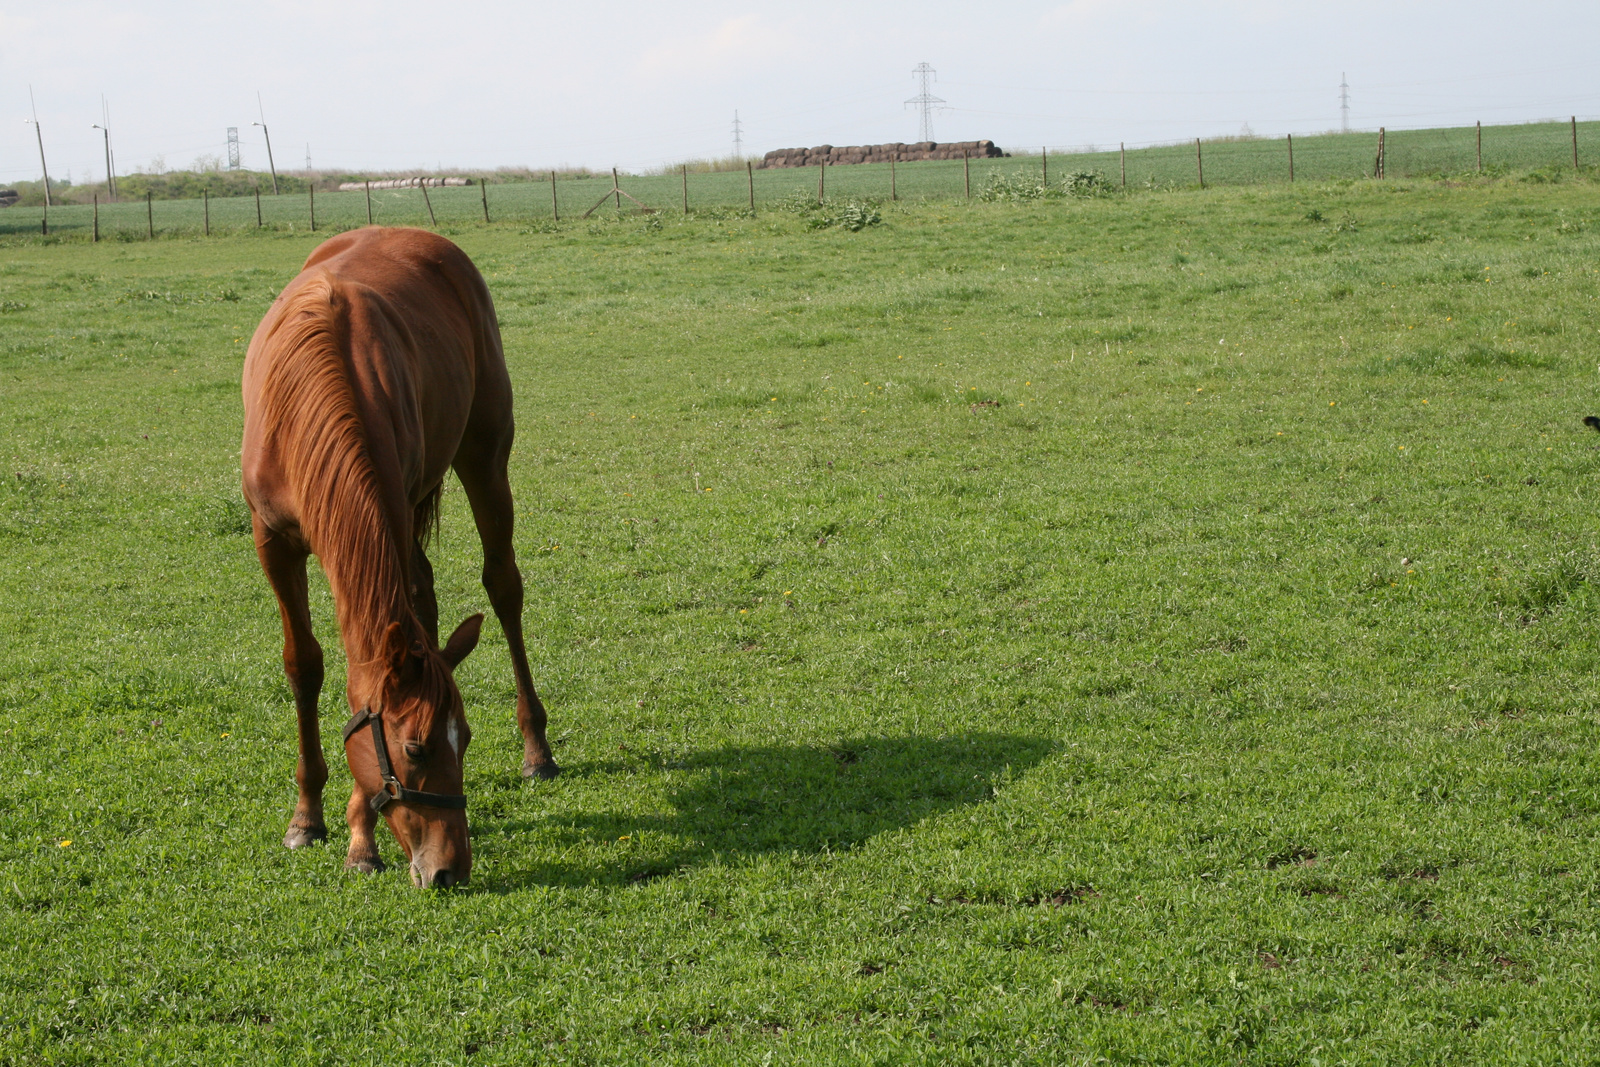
x: 489, y: 492
x: 285, y: 568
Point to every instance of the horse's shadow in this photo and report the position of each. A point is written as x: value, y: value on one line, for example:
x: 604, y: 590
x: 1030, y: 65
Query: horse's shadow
x: 737, y: 803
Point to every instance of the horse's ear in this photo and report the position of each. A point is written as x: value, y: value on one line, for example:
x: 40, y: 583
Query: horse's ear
x: 404, y: 657
x: 463, y: 641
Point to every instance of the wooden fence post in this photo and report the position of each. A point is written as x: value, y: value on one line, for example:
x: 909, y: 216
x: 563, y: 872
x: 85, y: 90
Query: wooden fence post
x: 822, y: 167
x: 311, y: 191
x: 966, y: 172
x: 686, y: 188
x: 750, y: 177
x: 1291, y: 158
x: 205, y: 205
x: 258, y: 207
x: 1199, y: 163
x: 428, y: 203
x: 1377, y: 164
x: 616, y: 187
x: 1574, y: 142
x: 368, y: 182
x: 96, y: 218
x: 1044, y: 162
x: 894, y: 194
x: 1480, y: 148
x: 1122, y: 157
x: 150, y: 213
x: 483, y: 193
x: 555, y: 206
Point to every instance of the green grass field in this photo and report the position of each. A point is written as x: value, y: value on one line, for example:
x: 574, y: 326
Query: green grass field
x: 1543, y: 150
x: 1148, y: 629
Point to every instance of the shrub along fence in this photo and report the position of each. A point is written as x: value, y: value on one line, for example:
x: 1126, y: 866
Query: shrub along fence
x: 1540, y: 149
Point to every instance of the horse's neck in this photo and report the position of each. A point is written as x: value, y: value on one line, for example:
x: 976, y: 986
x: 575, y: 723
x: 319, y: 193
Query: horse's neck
x: 369, y: 572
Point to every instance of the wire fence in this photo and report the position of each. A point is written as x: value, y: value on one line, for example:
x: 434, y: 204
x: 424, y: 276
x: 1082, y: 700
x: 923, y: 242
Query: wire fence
x: 1536, y: 148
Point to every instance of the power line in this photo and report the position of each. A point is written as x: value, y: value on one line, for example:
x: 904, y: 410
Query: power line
x: 926, y: 102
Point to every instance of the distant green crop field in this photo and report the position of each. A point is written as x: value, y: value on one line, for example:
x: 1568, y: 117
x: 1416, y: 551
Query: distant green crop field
x: 1154, y: 628
x: 1543, y: 149
x: 1408, y: 154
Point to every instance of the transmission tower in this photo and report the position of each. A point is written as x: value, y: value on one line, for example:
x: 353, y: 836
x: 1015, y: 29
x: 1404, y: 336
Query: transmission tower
x: 926, y: 102
x: 1344, y: 103
x: 738, y: 137
x: 308, y: 158
x: 233, y: 148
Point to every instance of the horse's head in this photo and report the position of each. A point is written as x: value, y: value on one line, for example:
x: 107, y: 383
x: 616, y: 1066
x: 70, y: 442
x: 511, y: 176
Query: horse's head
x: 417, y: 783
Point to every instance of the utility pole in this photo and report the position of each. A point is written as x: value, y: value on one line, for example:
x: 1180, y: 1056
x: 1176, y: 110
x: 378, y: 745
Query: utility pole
x: 111, y: 158
x: 270, y: 165
x: 111, y: 166
x: 926, y: 102
x: 738, y: 137
x: 111, y: 183
x: 265, y: 133
x: 1344, y: 103
x: 37, y: 129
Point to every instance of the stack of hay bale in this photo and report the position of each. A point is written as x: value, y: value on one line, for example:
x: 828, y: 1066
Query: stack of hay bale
x: 402, y: 183
x: 898, y: 152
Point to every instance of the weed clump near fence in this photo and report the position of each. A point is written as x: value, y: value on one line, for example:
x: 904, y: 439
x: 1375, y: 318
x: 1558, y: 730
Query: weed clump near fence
x: 852, y: 215
x: 1019, y: 188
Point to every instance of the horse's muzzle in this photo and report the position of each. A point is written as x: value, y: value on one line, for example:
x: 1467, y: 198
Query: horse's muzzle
x: 439, y: 878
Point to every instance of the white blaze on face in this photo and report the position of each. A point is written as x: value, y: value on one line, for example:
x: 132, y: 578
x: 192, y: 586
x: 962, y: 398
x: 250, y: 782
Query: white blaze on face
x: 453, y: 734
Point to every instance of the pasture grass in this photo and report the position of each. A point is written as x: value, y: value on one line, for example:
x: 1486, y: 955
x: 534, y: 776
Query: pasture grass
x: 1152, y: 629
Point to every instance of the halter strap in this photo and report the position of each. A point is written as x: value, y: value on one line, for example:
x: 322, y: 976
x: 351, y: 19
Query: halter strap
x: 392, y: 790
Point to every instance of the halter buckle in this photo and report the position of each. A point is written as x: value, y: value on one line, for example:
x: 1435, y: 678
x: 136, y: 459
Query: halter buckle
x: 387, y: 793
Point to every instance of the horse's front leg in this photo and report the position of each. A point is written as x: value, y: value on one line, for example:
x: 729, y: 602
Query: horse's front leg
x: 363, y: 855
x: 489, y: 493
x: 423, y: 600
x: 285, y: 567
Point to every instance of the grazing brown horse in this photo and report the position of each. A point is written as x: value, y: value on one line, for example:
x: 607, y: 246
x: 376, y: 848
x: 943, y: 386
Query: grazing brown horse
x: 375, y: 371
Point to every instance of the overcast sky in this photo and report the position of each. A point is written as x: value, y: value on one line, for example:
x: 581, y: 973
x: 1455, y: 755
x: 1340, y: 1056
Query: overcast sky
x: 403, y: 84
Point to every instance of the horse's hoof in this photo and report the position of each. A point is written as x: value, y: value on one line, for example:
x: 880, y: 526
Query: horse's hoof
x: 374, y: 865
x: 305, y: 836
x: 544, y: 771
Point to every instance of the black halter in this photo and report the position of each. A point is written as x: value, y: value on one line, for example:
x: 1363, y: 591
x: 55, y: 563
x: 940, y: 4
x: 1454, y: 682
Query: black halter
x: 392, y: 790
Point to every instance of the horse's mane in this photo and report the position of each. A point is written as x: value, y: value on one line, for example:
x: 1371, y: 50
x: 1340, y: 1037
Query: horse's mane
x: 308, y: 398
